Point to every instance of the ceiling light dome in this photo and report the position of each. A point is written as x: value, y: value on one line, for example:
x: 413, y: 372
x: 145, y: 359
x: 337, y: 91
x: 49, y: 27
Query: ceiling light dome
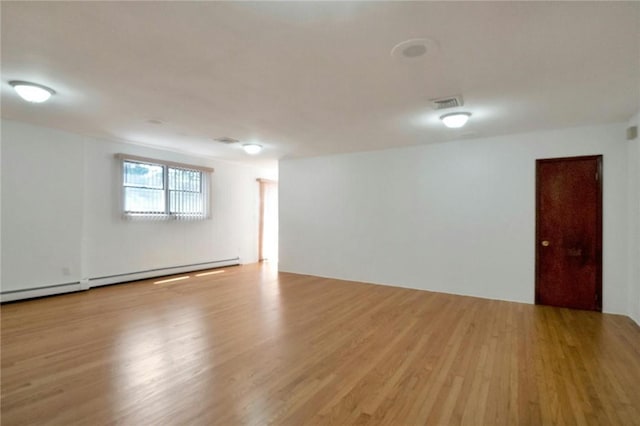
x: 455, y: 119
x: 252, y: 148
x: 32, y: 92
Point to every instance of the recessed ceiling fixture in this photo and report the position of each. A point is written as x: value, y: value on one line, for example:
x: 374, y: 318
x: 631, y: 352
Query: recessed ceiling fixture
x: 455, y: 120
x: 448, y: 102
x: 415, y: 48
x: 32, y: 92
x: 226, y: 140
x: 252, y: 148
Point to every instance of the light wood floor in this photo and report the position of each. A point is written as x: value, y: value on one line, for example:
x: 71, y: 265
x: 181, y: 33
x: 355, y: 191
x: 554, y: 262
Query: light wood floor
x: 250, y: 346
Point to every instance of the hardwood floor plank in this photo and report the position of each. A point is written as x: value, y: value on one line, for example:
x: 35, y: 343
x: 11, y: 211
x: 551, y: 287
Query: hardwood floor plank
x: 252, y: 346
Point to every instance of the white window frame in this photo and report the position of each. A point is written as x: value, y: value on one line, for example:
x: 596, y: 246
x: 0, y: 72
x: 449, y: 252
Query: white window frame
x: 205, y: 183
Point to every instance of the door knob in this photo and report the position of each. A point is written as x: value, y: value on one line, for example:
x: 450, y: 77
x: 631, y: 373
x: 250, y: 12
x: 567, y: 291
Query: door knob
x: 545, y: 243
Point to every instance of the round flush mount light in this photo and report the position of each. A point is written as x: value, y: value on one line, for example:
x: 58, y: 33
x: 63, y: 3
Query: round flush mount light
x: 415, y: 48
x: 455, y: 120
x: 252, y: 148
x: 32, y: 92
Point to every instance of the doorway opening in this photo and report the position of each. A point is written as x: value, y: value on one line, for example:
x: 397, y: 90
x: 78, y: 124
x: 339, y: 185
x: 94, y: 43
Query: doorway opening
x: 268, y: 221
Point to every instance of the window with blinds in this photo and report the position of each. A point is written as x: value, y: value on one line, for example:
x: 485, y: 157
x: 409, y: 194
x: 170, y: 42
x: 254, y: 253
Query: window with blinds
x: 154, y: 189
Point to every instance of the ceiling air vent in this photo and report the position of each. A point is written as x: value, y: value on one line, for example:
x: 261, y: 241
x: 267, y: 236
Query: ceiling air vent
x: 226, y: 140
x: 448, y: 102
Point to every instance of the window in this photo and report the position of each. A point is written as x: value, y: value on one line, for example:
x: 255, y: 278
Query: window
x: 156, y: 189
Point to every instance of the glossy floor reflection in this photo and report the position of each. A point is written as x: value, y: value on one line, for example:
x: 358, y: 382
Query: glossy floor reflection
x: 252, y: 346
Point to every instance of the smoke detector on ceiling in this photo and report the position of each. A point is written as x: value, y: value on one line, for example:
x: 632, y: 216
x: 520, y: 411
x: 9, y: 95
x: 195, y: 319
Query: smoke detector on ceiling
x: 415, y: 48
x: 448, y: 102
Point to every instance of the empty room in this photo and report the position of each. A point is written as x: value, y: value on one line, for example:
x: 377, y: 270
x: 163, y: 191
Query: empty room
x: 290, y: 213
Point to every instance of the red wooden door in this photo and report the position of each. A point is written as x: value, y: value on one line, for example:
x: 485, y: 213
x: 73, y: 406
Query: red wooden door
x: 569, y: 232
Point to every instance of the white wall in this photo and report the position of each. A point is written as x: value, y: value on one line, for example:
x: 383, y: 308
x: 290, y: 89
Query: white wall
x: 42, y: 217
x: 456, y: 217
x: 114, y: 245
x: 60, y: 201
x: 634, y: 223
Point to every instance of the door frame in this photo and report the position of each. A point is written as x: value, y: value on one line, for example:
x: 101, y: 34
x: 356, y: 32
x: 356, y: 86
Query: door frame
x: 262, y: 183
x: 598, y: 250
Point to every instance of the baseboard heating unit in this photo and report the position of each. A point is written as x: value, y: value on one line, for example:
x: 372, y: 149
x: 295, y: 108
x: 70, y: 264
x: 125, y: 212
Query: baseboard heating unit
x: 87, y: 283
x: 47, y: 290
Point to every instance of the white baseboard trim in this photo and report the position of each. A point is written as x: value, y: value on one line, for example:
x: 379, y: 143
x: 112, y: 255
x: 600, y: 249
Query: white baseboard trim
x: 87, y: 283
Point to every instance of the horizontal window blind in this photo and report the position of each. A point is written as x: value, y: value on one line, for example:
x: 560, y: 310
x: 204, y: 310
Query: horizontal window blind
x: 159, y: 190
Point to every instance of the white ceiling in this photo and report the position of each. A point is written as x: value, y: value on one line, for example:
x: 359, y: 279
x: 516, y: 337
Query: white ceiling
x: 317, y: 78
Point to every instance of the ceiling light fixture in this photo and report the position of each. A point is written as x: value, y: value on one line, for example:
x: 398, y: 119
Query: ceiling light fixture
x: 252, y: 148
x: 32, y: 92
x: 455, y: 120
